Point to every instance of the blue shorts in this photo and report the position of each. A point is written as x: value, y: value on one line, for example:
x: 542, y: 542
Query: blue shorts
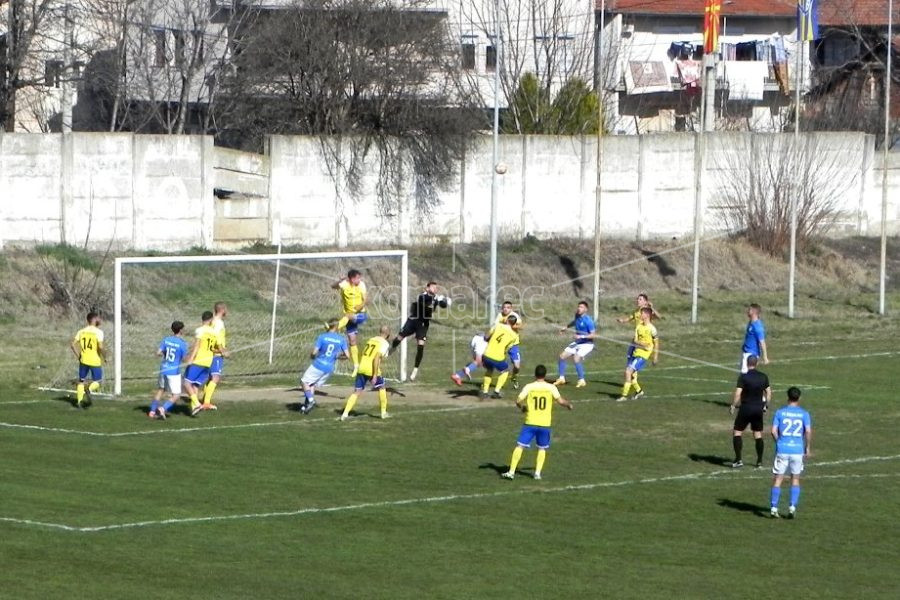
x: 96, y: 373
x: 358, y: 319
x: 515, y: 354
x: 497, y: 365
x: 637, y: 363
x: 218, y: 363
x: 530, y: 432
x: 196, y: 374
x: 362, y: 380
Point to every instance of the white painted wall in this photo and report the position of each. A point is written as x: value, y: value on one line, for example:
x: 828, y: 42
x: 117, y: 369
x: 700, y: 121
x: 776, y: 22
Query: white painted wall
x: 156, y: 192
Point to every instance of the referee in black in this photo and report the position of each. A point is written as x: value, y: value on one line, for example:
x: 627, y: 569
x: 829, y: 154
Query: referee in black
x: 751, y: 399
x: 420, y: 313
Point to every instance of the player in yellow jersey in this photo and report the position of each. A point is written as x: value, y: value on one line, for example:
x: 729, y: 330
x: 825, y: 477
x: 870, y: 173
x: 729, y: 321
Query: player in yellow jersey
x: 375, y: 350
x: 354, y: 299
x: 220, y: 311
x: 643, y: 300
x: 506, y: 311
x: 88, y: 348
x: 206, y: 344
x: 502, y: 340
x: 645, y: 343
x: 536, y: 401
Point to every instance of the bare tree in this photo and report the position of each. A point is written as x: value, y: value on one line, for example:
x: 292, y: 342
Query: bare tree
x: 26, y: 22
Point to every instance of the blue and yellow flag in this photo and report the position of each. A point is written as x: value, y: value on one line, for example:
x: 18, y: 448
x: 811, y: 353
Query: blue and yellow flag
x: 807, y: 20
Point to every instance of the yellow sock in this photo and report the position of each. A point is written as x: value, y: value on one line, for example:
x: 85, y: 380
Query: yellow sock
x: 486, y: 384
x: 539, y: 461
x: 626, y: 388
x: 634, y: 385
x: 79, y: 393
x: 354, y: 355
x: 94, y: 386
x: 342, y: 324
x: 514, y: 460
x: 194, y: 402
x: 501, y: 380
x: 208, y: 392
x: 351, y: 402
x: 382, y: 400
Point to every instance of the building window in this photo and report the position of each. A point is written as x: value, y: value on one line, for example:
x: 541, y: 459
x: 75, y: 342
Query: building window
x: 468, y: 55
x: 490, y: 58
x: 53, y: 73
x: 159, y: 47
x: 179, y: 48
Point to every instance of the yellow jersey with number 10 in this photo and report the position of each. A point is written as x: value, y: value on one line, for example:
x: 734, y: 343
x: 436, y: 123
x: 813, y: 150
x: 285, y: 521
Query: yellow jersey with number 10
x: 352, y: 296
x: 207, y: 340
x: 89, y: 339
x: 538, y: 397
x: 502, y: 339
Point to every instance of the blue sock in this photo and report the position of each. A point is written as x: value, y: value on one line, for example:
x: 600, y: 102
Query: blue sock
x: 472, y: 367
x: 308, y: 394
x: 168, y: 405
x: 154, y: 405
x: 562, y: 368
x: 579, y: 368
x: 776, y: 495
x: 795, y: 494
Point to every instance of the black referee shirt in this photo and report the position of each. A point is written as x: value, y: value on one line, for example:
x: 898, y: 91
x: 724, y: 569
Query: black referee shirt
x: 753, y: 386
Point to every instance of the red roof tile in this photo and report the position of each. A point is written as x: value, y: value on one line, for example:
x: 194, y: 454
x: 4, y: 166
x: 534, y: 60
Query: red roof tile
x: 746, y: 8
x: 856, y: 12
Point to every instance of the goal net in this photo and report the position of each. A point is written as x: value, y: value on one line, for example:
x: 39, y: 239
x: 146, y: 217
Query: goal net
x: 276, y: 306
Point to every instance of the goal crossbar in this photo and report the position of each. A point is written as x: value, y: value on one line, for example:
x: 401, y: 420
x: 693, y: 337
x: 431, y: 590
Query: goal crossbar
x: 403, y: 255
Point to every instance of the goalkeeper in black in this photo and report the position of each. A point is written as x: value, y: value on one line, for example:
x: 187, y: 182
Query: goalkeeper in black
x: 420, y: 313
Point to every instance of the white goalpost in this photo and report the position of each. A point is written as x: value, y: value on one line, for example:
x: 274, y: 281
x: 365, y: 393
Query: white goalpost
x: 277, y: 305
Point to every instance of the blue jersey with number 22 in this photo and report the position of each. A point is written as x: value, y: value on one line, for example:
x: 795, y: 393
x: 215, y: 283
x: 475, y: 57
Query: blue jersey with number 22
x: 792, y: 423
x: 329, y: 346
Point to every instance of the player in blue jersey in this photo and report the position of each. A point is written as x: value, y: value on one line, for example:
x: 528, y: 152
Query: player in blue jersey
x: 329, y: 347
x: 792, y: 431
x: 172, y: 349
x: 754, y: 338
x: 580, y: 347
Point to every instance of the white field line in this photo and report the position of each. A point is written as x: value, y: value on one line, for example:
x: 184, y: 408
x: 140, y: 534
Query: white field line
x: 436, y: 499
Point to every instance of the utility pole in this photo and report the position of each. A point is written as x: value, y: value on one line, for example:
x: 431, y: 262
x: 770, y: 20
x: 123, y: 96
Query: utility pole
x: 67, y: 70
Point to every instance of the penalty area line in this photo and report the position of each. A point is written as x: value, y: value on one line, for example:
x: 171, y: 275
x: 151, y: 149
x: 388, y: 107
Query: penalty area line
x: 426, y: 500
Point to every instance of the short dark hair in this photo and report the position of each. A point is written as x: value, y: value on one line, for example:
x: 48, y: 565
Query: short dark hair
x: 756, y: 307
x: 540, y: 371
x: 793, y: 394
x: 752, y: 360
x: 352, y: 273
x: 511, y: 320
x: 92, y: 315
x: 431, y: 283
x: 647, y: 310
x: 505, y: 302
x: 177, y: 326
x: 644, y: 296
x: 584, y: 303
x: 206, y: 316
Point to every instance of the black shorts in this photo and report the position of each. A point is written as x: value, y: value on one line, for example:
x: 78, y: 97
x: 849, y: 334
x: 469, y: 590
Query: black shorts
x: 419, y: 327
x: 752, y: 417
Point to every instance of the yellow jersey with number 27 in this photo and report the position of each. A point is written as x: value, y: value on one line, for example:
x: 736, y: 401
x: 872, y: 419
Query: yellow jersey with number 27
x: 376, y: 346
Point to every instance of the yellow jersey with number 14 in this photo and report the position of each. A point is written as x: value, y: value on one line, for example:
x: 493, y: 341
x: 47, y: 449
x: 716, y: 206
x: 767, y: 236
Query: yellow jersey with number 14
x: 89, y: 340
x: 502, y: 339
x: 538, y: 398
x: 207, y: 345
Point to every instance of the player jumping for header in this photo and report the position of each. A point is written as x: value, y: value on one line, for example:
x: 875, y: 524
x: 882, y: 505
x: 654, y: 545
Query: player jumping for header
x: 420, y: 314
x: 354, y: 299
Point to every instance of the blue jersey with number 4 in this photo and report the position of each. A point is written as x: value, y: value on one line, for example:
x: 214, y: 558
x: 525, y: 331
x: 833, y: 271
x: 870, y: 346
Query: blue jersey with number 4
x: 329, y: 346
x: 173, y: 350
x: 756, y: 333
x: 792, y: 423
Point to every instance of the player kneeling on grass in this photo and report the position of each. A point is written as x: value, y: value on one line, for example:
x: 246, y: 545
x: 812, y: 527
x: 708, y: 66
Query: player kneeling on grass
x: 536, y: 401
x: 580, y: 348
x: 88, y: 349
x: 502, y: 340
x: 197, y: 372
x: 172, y: 349
x: 329, y: 347
x: 645, y: 343
x: 369, y: 369
x: 478, y: 345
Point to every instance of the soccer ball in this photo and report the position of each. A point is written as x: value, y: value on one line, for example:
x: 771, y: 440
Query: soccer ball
x: 500, y: 168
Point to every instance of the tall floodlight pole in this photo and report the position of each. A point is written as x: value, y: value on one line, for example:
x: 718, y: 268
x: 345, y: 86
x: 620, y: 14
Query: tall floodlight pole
x: 598, y: 189
x: 888, y: 80
x: 796, y: 193
x: 495, y: 165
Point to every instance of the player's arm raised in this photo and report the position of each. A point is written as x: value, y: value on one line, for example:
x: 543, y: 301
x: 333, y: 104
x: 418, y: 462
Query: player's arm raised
x: 337, y: 284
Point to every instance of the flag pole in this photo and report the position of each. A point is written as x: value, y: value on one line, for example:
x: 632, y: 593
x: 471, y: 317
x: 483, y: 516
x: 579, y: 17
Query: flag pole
x: 793, y: 252
x: 888, y: 81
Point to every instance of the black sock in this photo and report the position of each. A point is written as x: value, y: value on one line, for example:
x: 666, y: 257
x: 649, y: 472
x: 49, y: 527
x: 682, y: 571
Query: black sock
x: 396, y: 342
x: 738, y: 442
x: 760, y: 446
x: 420, y: 350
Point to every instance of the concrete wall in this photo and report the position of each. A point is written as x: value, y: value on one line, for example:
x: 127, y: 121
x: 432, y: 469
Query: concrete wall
x: 157, y: 192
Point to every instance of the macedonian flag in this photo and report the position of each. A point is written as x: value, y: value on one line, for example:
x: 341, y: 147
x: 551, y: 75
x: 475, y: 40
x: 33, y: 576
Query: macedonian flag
x: 711, y: 26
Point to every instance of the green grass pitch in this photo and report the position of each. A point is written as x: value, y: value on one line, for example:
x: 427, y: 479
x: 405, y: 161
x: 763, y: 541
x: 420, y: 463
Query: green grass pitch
x: 257, y: 501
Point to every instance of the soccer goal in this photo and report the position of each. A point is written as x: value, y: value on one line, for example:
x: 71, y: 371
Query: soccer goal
x: 277, y: 304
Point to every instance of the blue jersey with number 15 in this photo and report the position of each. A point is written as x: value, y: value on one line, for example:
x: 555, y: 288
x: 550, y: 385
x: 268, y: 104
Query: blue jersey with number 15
x: 792, y: 423
x: 173, y: 349
x: 329, y: 346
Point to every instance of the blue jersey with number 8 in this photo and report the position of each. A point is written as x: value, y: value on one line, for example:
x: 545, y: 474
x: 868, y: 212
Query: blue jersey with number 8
x: 329, y: 346
x: 792, y: 423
